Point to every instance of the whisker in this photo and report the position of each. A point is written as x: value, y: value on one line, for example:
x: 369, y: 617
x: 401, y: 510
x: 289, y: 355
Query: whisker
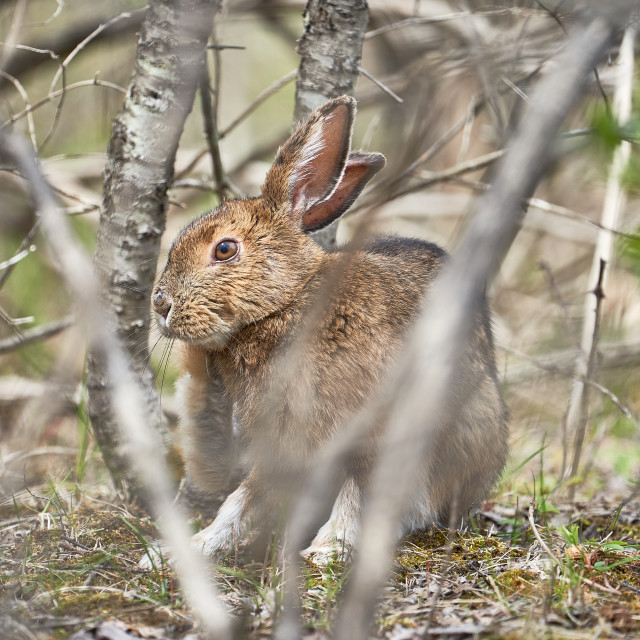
x: 163, y: 358
x: 164, y: 372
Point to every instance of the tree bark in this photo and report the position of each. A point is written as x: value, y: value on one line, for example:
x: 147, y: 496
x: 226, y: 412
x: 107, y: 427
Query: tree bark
x: 330, y: 52
x: 170, y: 61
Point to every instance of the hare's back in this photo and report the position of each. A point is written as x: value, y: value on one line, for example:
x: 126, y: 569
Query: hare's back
x: 410, y: 262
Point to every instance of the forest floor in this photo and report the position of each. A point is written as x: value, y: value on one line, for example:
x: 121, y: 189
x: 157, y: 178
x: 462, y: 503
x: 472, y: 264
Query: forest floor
x: 69, y: 568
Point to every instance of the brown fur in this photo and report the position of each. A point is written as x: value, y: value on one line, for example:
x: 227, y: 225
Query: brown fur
x: 238, y: 319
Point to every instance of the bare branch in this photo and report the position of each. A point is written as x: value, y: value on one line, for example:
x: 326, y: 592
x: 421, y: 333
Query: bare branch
x: 96, y: 82
x: 612, y: 210
x: 544, y: 546
x: 35, y: 335
x: 138, y: 13
x: 222, y: 186
x: 583, y: 416
x: 54, y: 45
x: 170, y: 63
x: 23, y: 94
x: 380, y: 85
x: 267, y: 93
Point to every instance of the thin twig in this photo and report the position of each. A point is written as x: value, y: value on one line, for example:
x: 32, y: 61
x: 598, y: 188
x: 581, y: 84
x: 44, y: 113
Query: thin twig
x: 25, y: 98
x: 380, y: 84
x: 267, y: 93
x: 14, y: 30
x: 541, y: 205
x: 58, y: 113
x: 35, y: 335
x: 433, y: 177
x: 50, y: 19
x: 612, y: 210
x: 94, y: 34
x: 96, y: 82
x: 221, y: 184
x: 555, y: 369
x: 442, y: 141
x: 616, y: 512
x: 221, y: 47
x: 614, y: 355
x: 19, y: 257
x: 61, y: 192
x: 407, y: 22
x: 564, y: 212
x: 541, y: 542
x: 12, y: 323
x: 24, y: 250
x: 589, y: 375
x: 25, y: 47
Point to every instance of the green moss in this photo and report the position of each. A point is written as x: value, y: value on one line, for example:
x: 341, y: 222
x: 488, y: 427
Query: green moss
x: 89, y: 572
x: 520, y: 582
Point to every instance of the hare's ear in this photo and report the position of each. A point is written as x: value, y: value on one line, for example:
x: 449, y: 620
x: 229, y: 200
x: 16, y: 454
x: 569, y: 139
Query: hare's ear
x: 311, y: 162
x: 360, y: 168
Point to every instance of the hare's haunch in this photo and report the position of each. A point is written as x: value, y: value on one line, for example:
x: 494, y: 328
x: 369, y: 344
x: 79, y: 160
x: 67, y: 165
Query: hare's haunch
x: 245, y: 286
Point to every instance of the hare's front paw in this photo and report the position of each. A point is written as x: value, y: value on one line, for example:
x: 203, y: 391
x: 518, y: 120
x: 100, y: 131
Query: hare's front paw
x: 330, y: 546
x: 154, y: 558
x: 230, y: 525
x: 323, y: 555
x: 215, y: 541
x: 209, y: 543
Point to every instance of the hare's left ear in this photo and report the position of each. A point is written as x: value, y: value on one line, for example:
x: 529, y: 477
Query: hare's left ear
x: 359, y: 169
x: 311, y: 167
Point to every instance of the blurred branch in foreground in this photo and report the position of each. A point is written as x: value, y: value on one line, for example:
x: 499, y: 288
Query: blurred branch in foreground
x: 146, y: 467
x: 442, y: 333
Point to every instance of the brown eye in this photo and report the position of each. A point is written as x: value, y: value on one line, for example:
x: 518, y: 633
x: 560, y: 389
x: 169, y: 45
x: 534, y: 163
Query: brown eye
x: 225, y: 250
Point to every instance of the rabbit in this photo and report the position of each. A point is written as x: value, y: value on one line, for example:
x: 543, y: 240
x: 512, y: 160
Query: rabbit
x: 245, y: 283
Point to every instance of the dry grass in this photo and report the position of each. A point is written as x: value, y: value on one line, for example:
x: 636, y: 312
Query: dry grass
x: 69, y: 562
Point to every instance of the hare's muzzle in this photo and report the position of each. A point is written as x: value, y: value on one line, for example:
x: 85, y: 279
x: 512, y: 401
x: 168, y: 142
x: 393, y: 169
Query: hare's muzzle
x: 162, y: 305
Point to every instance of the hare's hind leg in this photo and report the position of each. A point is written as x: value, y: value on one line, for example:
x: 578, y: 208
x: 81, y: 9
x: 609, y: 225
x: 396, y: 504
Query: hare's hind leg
x: 337, y: 537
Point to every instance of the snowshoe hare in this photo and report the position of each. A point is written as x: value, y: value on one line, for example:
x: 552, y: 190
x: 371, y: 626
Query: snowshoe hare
x: 239, y: 287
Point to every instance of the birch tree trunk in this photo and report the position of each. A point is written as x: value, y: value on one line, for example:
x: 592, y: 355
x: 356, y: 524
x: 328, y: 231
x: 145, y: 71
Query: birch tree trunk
x: 330, y: 52
x: 170, y: 60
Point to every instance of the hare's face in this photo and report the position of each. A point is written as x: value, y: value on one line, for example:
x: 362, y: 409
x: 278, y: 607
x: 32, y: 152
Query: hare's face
x: 249, y: 259
x: 228, y: 269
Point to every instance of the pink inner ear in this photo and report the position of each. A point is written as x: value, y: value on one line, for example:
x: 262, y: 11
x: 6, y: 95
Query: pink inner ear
x: 321, y: 160
x: 359, y: 170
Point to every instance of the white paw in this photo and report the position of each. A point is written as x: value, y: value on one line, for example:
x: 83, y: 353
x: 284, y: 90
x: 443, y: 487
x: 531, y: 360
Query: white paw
x: 204, y: 544
x: 223, y: 534
x: 214, y: 541
x: 324, y: 554
x: 154, y: 558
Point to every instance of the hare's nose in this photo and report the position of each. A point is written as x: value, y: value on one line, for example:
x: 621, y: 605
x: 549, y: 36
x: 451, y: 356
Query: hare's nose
x: 162, y: 303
